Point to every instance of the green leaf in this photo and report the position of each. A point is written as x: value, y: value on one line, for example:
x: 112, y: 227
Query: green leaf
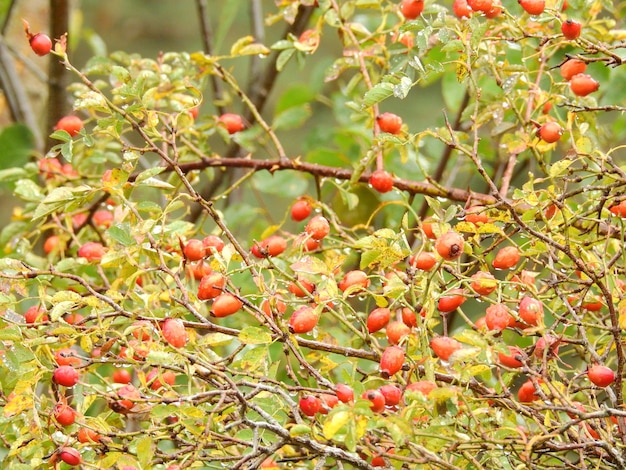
x: 63, y: 198
x: 292, y: 117
x: 295, y: 96
x: 16, y: 144
x: 121, y: 234
x: 248, y: 46
x: 560, y: 168
x: 378, y: 93
x: 254, y: 335
x: 283, y: 58
x: 28, y: 190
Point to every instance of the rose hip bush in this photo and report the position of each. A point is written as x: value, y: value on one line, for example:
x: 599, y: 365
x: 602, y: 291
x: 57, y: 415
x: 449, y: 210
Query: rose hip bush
x: 181, y: 289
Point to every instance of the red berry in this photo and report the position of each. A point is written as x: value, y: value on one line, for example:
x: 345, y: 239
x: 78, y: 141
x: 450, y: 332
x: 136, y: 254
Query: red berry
x: 506, y: 258
x: 461, y: 9
x: 571, y: 29
x: 303, y: 320
x: 128, y: 394
x: 397, y: 331
x: 35, y: 314
x: 310, y: 405
x: 602, y: 376
x: 70, y: 124
x: 391, y: 361
x: 409, y: 318
x: 483, y: 283
x: 213, y: 244
x: 421, y: 386
x: 318, y: 227
x: 267, y: 463
x: 300, y: 210
x: 411, y: 9
x: 480, y: 5
x: 450, y: 245
x: 582, y: 84
x: 530, y: 310
x: 376, y: 398
x: 41, y: 44
x: 427, y: 228
x: 86, y: 435
x: 273, y: 305
x: 495, y: 10
x: 64, y: 414
x: 232, y: 122
x: 424, y: 260
x: 378, y: 319
x: 381, y: 181
x: 121, y: 376
x: 329, y: 401
x: 198, y: 269
x: 549, y: 342
x: 67, y: 357
x: 194, y: 250
x: 533, y: 7
x: 354, y: 278
x: 392, y: 394
x: 550, y: 132
x: 70, y: 456
x: 444, y: 346
x: 51, y: 244
x: 526, y: 392
x: 174, y: 332
x: 102, y: 218
x: 345, y: 394
x: 66, y: 376
x: 225, y: 304
x: 512, y: 359
x: 92, y: 251
x: 572, y: 67
x: 297, y: 291
x: 451, y: 301
x: 157, y: 379
x: 476, y: 215
x: 273, y: 245
x: 497, y: 317
x: 211, y: 286
x: 389, y: 122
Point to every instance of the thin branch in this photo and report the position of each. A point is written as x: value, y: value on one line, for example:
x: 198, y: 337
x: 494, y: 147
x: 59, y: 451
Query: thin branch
x: 207, y: 43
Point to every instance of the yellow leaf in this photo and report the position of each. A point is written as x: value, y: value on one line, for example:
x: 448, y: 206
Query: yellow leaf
x: 621, y: 310
x: 335, y: 422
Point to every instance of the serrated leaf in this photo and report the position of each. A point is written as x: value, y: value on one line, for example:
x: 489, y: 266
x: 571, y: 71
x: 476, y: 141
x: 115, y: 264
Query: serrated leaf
x: 121, y: 234
x: 559, y: 168
x: 335, y: 422
x: 149, y: 173
x: 61, y: 309
x: 378, y: 93
x: 254, y: 335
